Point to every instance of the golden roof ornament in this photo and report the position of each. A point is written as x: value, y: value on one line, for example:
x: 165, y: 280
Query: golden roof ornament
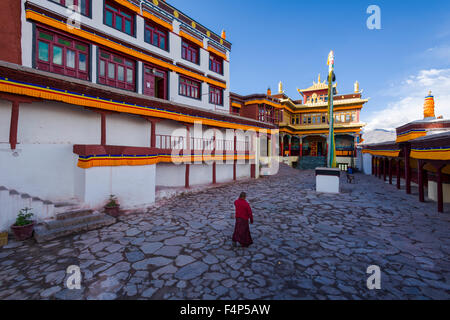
x: 356, y: 87
x: 428, y: 107
x: 280, y: 87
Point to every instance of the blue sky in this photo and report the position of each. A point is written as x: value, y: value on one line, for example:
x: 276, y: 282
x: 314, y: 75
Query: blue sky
x: 290, y: 40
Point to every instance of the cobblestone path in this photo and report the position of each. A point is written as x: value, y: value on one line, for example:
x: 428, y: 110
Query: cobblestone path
x: 306, y: 246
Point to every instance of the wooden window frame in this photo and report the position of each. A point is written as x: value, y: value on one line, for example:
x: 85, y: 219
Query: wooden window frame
x: 87, y: 8
x: 216, y: 96
x: 216, y: 63
x: 127, y: 64
x: 60, y: 40
x: 187, y: 49
x: 190, y: 88
x: 118, y: 11
x: 160, y: 32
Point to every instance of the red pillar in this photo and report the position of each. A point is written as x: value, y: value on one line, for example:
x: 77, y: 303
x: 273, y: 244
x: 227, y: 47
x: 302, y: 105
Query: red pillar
x: 290, y: 144
x: 103, y: 128
x: 440, y: 195
x: 14, y: 124
x: 390, y: 170
x: 420, y: 178
x: 384, y: 169
x: 398, y: 173
x: 282, y: 146
x: 407, y: 170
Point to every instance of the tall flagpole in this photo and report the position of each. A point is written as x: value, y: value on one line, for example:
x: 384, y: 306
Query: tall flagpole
x: 331, y: 157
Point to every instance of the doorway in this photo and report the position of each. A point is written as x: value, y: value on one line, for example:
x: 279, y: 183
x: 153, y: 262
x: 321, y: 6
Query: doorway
x: 155, y: 82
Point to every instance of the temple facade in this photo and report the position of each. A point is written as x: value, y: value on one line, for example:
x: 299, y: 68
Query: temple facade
x: 119, y: 97
x: 419, y: 158
x: 304, y: 125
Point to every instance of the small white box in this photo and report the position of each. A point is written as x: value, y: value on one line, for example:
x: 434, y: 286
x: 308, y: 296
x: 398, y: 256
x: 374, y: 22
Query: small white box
x: 327, y: 180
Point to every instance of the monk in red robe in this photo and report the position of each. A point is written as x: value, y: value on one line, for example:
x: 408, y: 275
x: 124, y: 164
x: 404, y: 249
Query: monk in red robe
x: 242, y: 228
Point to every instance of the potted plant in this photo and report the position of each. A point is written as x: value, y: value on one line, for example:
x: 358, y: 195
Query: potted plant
x: 112, y: 207
x: 24, y: 226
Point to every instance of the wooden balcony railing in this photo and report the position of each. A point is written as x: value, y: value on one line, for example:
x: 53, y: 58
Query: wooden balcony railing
x: 179, y: 143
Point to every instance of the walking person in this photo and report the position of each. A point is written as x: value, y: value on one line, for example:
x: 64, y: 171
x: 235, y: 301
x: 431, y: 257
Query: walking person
x: 243, y: 215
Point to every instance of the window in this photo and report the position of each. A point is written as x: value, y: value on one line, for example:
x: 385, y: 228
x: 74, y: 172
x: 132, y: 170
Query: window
x: 61, y: 54
x: 190, y: 52
x: 156, y: 35
x: 82, y: 6
x: 119, y: 19
x: 215, y: 96
x: 116, y: 71
x: 215, y: 63
x: 189, y: 88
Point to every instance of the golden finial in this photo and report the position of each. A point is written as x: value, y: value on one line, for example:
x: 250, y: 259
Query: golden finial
x: 318, y: 80
x: 356, y: 87
x: 280, y: 87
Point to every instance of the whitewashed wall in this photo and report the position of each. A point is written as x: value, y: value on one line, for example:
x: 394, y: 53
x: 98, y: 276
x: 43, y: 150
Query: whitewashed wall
x: 367, y: 163
x: 134, y: 186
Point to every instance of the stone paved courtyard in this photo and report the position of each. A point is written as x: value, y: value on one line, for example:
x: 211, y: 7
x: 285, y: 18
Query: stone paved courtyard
x: 306, y: 246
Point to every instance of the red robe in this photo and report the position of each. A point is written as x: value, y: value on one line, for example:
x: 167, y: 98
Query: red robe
x: 242, y: 228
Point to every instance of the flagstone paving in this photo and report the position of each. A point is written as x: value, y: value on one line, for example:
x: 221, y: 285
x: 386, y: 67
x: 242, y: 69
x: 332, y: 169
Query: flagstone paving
x: 306, y: 246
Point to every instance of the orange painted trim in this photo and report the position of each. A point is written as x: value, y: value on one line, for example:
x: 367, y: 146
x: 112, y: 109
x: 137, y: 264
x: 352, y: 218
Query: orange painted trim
x: 218, y: 53
x: 236, y: 105
x: 49, y: 94
x: 270, y: 103
x: 146, y: 14
x: 191, y: 38
x: 120, y: 48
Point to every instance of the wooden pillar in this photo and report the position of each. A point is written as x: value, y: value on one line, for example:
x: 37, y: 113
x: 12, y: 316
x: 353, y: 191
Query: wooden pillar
x: 14, y: 124
x: 390, y: 170
x: 384, y: 168
x: 103, y: 129
x: 440, y: 195
x: 282, y: 146
x: 407, y: 170
x: 420, y: 165
x: 398, y: 173
x: 235, y: 156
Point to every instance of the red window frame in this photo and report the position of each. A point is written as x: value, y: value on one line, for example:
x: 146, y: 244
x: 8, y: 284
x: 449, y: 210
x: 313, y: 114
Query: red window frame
x: 158, y: 36
x: 216, y: 96
x: 119, y: 14
x: 67, y: 47
x: 215, y: 64
x: 109, y: 66
x: 85, y: 10
x: 190, y: 88
x: 190, y: 52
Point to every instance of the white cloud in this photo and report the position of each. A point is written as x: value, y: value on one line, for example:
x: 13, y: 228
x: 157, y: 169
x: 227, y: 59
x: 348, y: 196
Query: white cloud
x: 408, y: 99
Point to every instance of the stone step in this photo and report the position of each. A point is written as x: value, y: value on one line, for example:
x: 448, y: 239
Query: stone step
x: 73, y: 214
x: 67, y: 223
x: 42, y: 234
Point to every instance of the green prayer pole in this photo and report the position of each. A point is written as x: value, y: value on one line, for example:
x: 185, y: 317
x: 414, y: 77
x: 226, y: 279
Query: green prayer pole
x: 331, y: 156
